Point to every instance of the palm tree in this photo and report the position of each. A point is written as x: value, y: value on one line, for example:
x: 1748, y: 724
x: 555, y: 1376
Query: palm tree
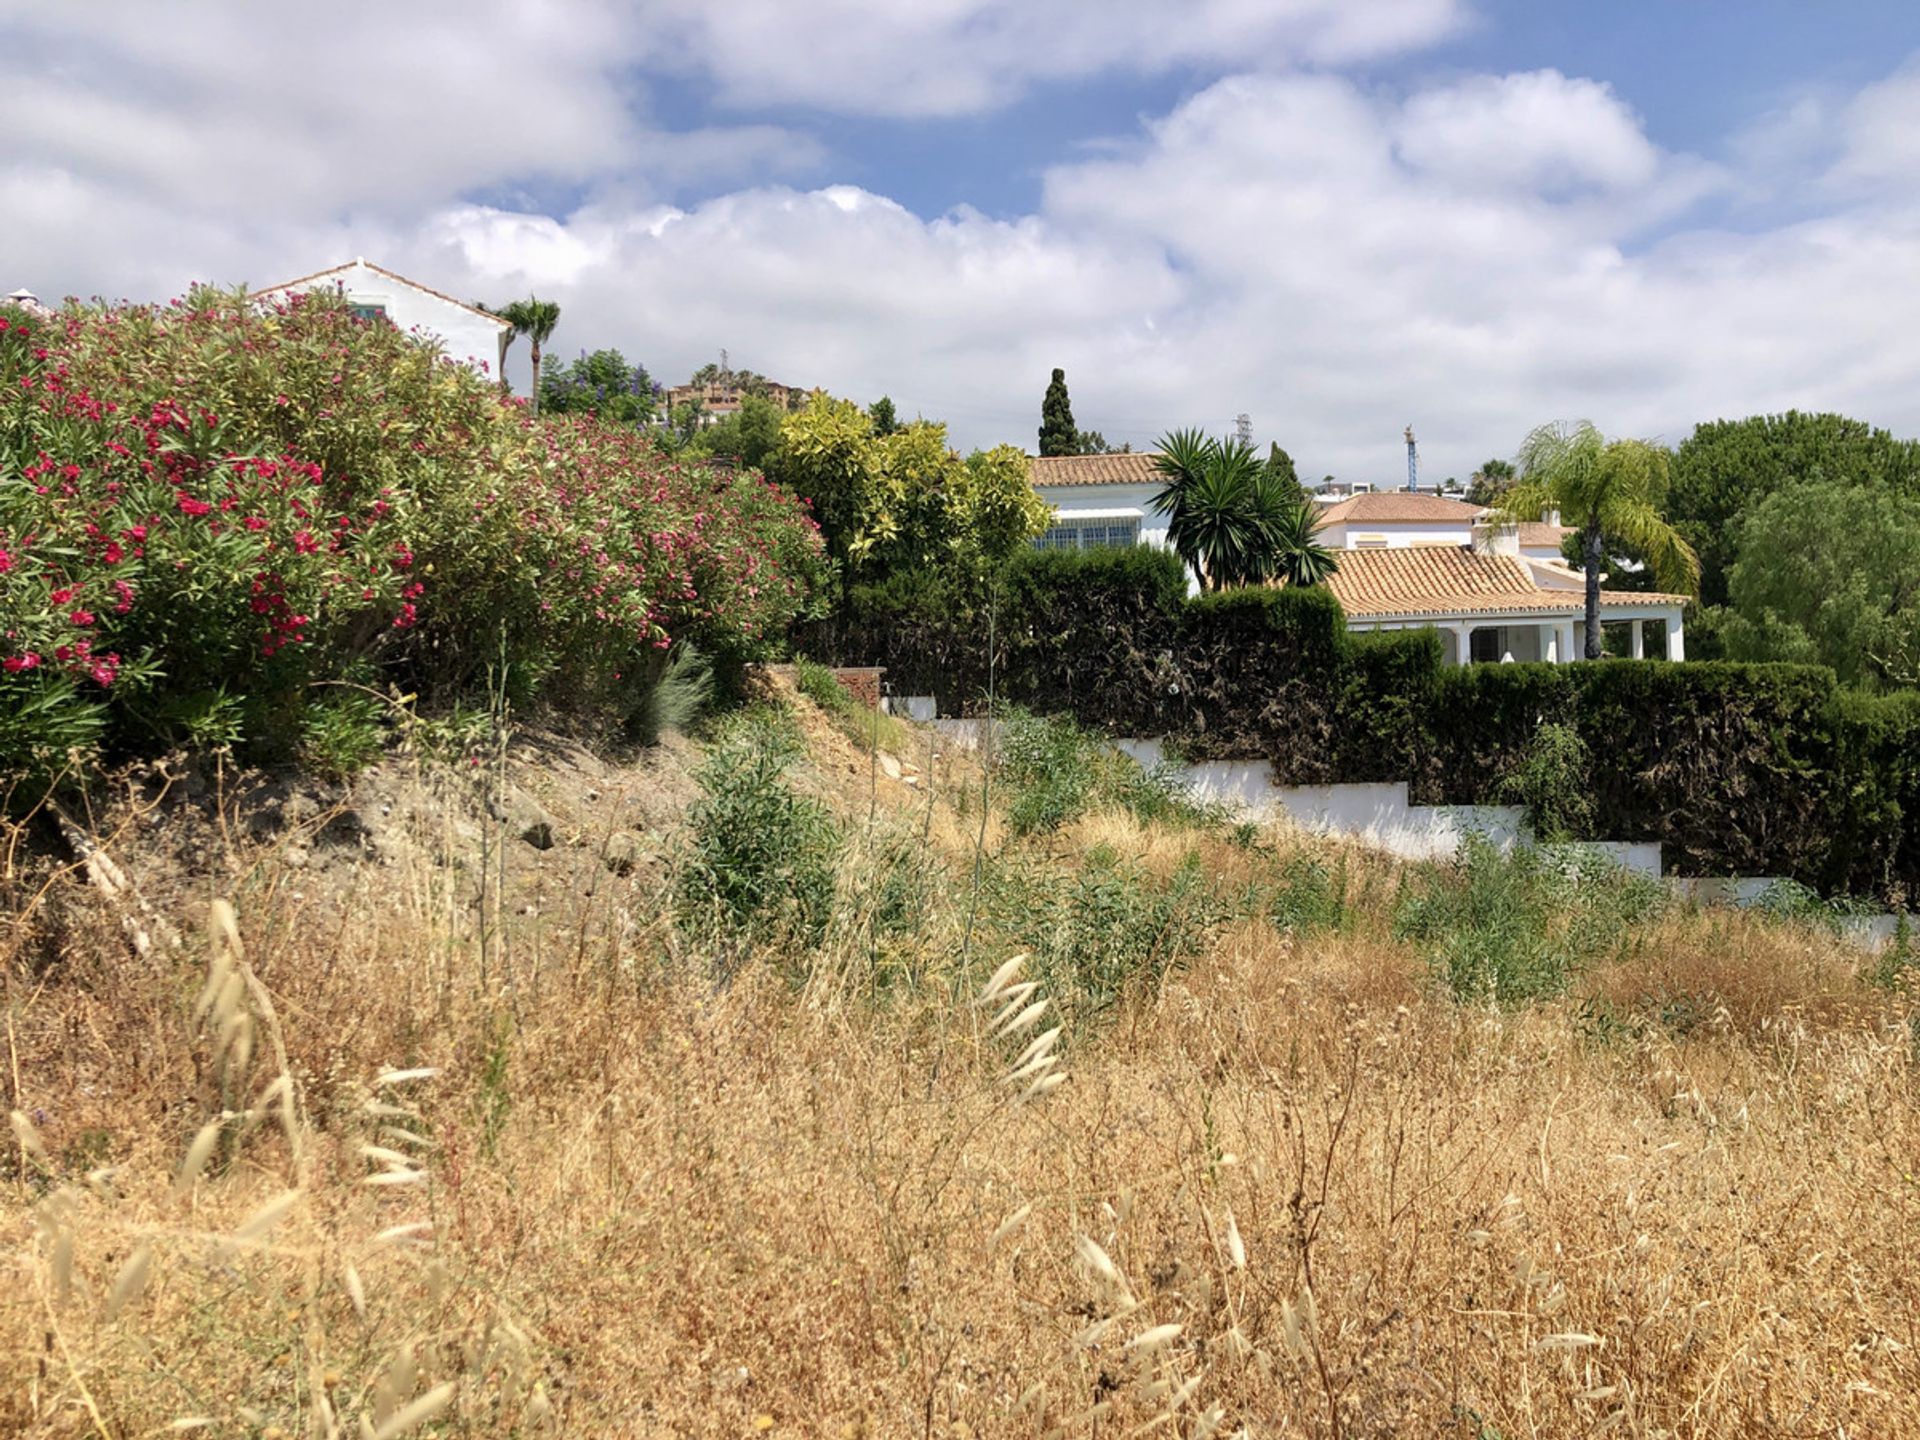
x: 536, y: 320
x: 1235, y: 519
x: 1492, y: 480
x: 1298, y: 556
x: 1605, y: 490
x: 1205, y: 493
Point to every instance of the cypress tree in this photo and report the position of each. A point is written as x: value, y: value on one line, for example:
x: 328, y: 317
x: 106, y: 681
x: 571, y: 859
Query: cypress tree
x: 1057, y: 434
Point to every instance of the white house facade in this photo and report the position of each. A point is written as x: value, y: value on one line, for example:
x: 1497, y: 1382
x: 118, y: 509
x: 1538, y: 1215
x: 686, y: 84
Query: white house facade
x: 1099, y: 501
x: 1395, y: 519
x: 1497, y: 608
x: 465, y: 332
x: 1407, y: 560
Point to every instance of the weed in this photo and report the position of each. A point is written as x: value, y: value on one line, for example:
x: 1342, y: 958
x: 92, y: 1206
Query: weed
x: 1054, y: 772
x: 672, y: 698
x: 1110, y: 925
x: 342, y: 732
x: 1552, y: 780
x: 1310, y: 894
x: 860, y: 723
x: 760, y: 857
x: 1509, y: 927
x: 1896, y: 965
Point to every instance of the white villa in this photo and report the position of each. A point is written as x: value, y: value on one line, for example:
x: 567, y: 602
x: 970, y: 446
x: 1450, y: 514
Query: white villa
x: 464, y: 331
x: 1408, y: 560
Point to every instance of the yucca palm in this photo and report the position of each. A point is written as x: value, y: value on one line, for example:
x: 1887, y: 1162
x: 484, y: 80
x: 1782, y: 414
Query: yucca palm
x: 1604, y: 489
x: 535, y: 319
x: 1233, y: 518
x: 1203, y: 494
x: 1292, y: 525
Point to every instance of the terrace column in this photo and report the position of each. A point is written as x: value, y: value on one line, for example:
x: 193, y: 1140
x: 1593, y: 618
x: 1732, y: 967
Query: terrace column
x: 1676, y: 640
x: 1462, y: 644
x: 1639, y: 651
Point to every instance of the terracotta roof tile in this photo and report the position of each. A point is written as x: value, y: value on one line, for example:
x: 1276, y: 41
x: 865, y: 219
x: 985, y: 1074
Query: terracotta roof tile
x: 1132, y: 468
x: 1420, y: 580
x: 1389, y: 507
x: 1538, y: 532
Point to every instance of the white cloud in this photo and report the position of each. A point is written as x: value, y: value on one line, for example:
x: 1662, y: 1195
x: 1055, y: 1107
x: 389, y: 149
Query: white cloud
x: 1880, y: 131
x: 1539, y: 131
x: 1475, y: 256
x: 953, y: 57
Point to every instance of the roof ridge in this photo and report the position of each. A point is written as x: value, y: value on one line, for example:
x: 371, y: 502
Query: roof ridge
x: 378, y: 270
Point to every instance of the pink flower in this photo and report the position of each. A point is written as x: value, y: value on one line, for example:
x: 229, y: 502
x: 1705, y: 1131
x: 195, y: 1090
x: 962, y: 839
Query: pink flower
x: 81, y: 617
x: 190, y: 506
x: 14, y: 664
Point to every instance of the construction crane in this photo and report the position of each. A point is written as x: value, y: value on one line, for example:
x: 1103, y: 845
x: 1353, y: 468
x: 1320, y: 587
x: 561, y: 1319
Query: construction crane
x: 1413, y: 462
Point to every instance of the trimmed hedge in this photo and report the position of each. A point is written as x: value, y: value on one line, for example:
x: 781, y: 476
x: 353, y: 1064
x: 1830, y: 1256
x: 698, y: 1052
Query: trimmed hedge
x: 1735, y: 769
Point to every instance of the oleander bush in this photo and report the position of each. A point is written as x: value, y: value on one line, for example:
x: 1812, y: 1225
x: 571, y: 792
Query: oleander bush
x: 210, y: 509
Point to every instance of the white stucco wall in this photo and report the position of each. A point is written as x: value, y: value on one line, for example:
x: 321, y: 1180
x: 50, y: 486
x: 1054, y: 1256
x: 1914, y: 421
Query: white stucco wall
x: 1099, y: 502
x: 1397, y: 536
x: 464, y: 334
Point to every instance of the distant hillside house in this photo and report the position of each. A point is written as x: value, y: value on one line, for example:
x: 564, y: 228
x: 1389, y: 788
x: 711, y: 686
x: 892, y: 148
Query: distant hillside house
x: 1407, y: 560
x: 464, y: 332
x: 720, y: 398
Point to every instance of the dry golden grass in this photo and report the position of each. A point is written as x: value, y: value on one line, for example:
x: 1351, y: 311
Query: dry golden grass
x: 1294, y: 1192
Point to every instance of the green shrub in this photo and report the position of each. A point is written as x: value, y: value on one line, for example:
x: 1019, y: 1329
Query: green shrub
x: 1309, y: 894
x: 1552, y: 780
x: 1506, y: 927
x: 1101, y: 930
x: 1053, y: 771
x: 342, y: 732
x: 759, y: 859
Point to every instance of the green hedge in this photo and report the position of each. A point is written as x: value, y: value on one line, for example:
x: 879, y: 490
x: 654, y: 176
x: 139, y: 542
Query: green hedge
x: 1735, y: 769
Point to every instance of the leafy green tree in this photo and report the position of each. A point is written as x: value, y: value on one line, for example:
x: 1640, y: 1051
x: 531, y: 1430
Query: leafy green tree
x: 904, y: 500
x: 881, y: 412
x: 750, y: 434
x: 1057, y: 433
x: 603, y: 384
x: 1602, y: 488
x: 1829, y: 573
x: 1092, y: 442
x: 536, y: 319
x: 1491, y: 481
x: 826, y: 457
x: 1233, y: 518
x: 1728, y: 466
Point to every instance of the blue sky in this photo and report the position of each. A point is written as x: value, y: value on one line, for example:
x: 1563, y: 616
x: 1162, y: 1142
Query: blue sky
x: 1477, y: 215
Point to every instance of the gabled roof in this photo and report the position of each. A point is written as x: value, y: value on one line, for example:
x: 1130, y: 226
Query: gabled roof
x: 1418, y: 581
x: 1400, y: 507
x: 1132, y: 468
x: 394, y: 276
x: 1538, y: 532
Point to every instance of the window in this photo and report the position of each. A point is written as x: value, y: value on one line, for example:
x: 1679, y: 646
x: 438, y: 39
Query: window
x: 1483, y: 646
x: 367, y: 310
x: 1090, y: 535
x: 1370, y: 542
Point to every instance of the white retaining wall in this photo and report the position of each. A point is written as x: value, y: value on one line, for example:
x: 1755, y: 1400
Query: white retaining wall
x: 1382, y: 817
x: 1378, y: 815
